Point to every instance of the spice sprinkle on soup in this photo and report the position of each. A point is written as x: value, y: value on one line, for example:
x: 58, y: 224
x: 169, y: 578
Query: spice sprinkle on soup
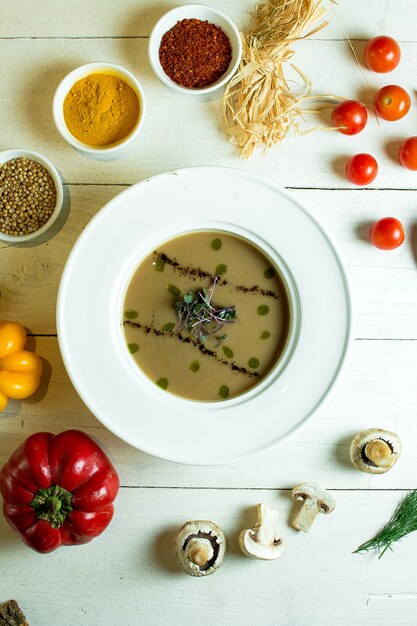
x: 203, y: 334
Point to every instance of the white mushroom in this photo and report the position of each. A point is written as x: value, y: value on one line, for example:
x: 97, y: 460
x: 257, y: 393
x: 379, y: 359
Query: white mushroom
x: 199, y: 547
x: 263, y: 540
x: 316, y: 500
x: 375, y: 450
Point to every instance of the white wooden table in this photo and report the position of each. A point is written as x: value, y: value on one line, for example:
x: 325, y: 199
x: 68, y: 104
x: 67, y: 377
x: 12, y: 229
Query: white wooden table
x: 127, y: 576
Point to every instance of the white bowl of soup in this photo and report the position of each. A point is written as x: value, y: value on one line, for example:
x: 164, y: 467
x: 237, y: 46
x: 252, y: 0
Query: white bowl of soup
x: 208, y: 315
x: 195, y: 324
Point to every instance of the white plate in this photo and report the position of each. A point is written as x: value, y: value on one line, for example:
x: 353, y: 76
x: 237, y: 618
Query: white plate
x: 90, y: 315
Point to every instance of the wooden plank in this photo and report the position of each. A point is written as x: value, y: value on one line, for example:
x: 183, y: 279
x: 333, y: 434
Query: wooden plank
x: 127, y: 576
x: 379, y: 389
x: 128, y: 18
x: 384, y: 284
x: 314, y: 160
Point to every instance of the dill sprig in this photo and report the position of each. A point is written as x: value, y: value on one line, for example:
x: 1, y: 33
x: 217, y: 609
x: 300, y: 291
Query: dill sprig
x: 197, y: 313
x: 403, y: 522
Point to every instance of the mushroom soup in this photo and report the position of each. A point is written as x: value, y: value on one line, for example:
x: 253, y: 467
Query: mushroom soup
x: 206, y: 315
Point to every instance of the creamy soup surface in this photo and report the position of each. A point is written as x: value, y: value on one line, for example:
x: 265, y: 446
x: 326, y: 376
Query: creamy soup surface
x: 197, y: 360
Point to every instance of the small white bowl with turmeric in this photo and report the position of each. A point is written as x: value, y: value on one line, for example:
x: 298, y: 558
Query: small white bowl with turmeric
x: 99, y: 107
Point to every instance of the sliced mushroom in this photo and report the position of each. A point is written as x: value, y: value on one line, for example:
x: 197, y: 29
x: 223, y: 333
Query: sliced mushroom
x: 316, y: 500
x: 199, y: 547
x: 263, y: 541
x: 375, y: 450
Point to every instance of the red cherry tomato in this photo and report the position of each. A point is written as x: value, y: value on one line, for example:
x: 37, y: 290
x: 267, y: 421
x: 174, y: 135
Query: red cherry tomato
x: 361, y: 169
x: 408, y: 153
x: 391, y: 103
x: 382, y: 54
x: 349, y: 117
x: 387, y: 234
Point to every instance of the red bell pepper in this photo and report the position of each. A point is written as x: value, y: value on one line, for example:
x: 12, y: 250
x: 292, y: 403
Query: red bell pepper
x: 58, y: 490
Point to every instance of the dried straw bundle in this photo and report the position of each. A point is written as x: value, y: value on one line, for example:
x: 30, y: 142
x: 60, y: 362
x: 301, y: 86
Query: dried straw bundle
x: 259, y: 106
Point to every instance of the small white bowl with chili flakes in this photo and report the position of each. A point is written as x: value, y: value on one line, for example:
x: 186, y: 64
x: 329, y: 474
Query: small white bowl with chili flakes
x: 31, y: 195
x: 195, y: 49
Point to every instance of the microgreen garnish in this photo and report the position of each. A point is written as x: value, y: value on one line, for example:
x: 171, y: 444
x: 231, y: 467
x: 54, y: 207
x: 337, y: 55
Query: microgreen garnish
x: 198, y: 315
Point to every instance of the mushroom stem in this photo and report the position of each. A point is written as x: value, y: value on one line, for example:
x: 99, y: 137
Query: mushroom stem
x: 379, y: 452
x: 199, y: 553
x: 266, y: 525
x: 307, y: 515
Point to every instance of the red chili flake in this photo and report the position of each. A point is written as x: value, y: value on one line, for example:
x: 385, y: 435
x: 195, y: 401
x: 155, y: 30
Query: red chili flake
x: 194, y: 53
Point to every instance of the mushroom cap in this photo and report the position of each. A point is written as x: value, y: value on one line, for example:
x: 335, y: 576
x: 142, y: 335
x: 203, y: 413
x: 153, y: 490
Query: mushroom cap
x: 310, y: 490
x: 263, y: 541
x: 383, y: 445
x: 199, y: 547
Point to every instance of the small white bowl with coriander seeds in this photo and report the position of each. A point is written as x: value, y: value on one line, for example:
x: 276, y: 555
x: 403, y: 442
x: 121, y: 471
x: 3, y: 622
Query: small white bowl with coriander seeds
x: 31, y: 195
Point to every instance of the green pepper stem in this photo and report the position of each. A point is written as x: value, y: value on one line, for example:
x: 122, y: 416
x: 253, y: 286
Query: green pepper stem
x: 52, y: 505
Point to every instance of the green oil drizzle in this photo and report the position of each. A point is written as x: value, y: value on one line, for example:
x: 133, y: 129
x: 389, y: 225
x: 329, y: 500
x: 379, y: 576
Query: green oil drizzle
x: 168, y: 327
x: 159, y: 264
x: 163, y: 383
x: 221, y: 269
x: 266, y: 334
x: 130, y: 314
x: 224, y: 392
x: 228, y: 352
x: 195, y: 366
x: 269, y: 272
x: 253, y: 363
x: 132, y: 347
x: 263, y: 309
x: 174, y: 290
x: 216, y: 244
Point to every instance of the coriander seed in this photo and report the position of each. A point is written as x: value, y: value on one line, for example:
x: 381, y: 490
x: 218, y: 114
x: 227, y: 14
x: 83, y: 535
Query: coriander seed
x: 27, y: 196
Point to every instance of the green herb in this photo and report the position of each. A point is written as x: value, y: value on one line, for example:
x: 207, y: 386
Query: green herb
x: 198, y: 315
x: 130, y: 314
x: 253, y: 363
x: 403, y: 522
x: 269, y: 272
x: 221, y: 269
x: 132, y: 347
x: 266, y: 334
x: 174, y: 290
x: 159, y: 264
x: 224, y: 391
x: 228, y: 352
x: 263, y: 309
x: 216, y: 244
x: 168, y: 327
x: 163, y: 383
x: 195, y: 366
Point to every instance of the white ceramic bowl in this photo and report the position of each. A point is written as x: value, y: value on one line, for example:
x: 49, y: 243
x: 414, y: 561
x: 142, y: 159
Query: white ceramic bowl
x: 200, y: 12
x: 8, y: 155
x: 90, y: 315
x: 79, y: 73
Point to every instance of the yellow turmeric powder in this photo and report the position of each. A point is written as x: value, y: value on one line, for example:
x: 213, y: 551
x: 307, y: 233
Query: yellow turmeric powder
x: 101, y: 109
